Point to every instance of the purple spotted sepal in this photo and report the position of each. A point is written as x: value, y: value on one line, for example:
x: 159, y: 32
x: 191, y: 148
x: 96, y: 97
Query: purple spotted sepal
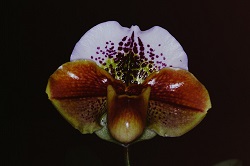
x: 130, y: 54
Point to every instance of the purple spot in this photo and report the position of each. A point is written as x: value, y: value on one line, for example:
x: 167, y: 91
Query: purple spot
x: 148, y: 45
x: 98, y: 48
x: 127, y: 44
x: 135, y: 50
x: 141, y: 53
x: 125, y: 49
x: 140, y: 42
x: 120, y: 43
x: 159, y: 45
x: 91, y: 57
x: 123, y: 39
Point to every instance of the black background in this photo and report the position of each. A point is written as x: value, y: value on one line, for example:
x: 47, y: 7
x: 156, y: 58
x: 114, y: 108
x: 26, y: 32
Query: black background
x: 41, y: 36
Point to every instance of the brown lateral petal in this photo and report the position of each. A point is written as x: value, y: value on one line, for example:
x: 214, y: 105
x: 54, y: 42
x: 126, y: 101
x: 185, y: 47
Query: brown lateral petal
x: 78, y: 90
x: 178, y: 101
x: 126, y: 115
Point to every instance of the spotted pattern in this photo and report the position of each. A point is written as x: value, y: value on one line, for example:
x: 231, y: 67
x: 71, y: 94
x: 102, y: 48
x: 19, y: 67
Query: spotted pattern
x: 84, y: 110
x: 128, y: 62
x: 169, y: 115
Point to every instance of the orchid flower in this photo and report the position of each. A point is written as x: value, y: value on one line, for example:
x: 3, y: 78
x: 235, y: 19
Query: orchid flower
x: 128, y: 85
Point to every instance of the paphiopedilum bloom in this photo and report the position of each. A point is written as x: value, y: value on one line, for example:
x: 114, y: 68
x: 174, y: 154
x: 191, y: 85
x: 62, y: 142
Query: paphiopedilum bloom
x: 128, y: 85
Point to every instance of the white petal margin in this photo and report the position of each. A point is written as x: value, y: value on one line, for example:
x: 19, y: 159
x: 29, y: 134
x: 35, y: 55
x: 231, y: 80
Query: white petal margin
x: 162, y: 42
x: 156, y: 41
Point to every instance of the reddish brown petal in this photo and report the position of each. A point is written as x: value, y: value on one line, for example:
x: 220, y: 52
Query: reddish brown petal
x: 78, y: 90
x: 178, y: 101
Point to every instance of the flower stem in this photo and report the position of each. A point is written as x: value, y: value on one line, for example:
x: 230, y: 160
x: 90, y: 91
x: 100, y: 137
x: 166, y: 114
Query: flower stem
x: 127, y: 156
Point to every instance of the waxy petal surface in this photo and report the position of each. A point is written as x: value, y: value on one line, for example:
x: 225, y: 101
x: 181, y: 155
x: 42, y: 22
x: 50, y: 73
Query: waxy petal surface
x: 78, y: 90
x: 126, y: 85
x: 130, y: 54
x: 127, y: 115
x: 178, y: 102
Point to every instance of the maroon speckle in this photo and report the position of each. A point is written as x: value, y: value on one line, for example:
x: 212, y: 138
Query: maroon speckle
x: 141, y: 53
x: 125, y: 50
x: 127, y: 44
x: 129, y: 57
x: 123, y: 39
x: 135, y: 50
x: 140, y: 42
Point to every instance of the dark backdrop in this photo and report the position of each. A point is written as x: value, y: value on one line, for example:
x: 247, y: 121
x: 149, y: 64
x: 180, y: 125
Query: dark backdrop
x: 41, y: 36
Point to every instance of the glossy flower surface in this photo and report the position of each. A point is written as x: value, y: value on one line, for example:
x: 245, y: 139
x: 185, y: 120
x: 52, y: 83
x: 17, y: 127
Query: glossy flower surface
x: 128, y: 85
